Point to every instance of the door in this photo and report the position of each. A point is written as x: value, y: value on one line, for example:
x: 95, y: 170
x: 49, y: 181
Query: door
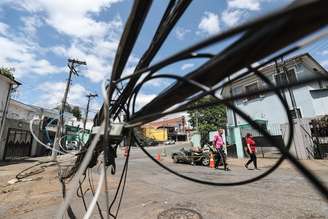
x: 18, y: 144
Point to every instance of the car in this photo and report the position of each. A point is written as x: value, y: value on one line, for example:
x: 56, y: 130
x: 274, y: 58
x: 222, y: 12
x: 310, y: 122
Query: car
x: 168, y: 142
x: 73, y: 145
x: 149, y: 142
x: 152, y: 142
x: 190, y: 156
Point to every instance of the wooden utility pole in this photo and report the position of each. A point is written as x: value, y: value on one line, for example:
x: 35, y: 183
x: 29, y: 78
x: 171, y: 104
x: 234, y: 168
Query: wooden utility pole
x: 89, y: 96
x: 72, y: 63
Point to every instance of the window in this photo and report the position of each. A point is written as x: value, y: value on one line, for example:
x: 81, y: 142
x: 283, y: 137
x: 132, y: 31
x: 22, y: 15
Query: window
x: 286, y: 78
x: 252, y: 88
x: 236, y: 91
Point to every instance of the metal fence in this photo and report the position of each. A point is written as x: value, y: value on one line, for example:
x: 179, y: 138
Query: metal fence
x: 264, y: 148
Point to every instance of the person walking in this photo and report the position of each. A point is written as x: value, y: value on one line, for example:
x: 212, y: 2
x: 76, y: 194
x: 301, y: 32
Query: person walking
x: 251, y: 150
x: 220, y: 154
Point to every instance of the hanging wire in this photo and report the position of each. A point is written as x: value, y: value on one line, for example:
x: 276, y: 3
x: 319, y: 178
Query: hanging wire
x: 201, y: 83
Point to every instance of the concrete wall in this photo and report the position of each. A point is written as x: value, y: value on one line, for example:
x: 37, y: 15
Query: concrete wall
x: 4, y: 86
x: 320, y: 101
x: 157, y: 134
x: 19, y: 113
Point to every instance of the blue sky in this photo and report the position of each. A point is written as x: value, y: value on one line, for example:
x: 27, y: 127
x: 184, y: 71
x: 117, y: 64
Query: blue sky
x: 37, y: 37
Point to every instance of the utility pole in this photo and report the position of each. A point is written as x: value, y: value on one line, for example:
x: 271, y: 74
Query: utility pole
x: 89, y: 96
x: 233, y: 112
x: 293, y: 103
x: 290, y: 91
x: 72, y: 64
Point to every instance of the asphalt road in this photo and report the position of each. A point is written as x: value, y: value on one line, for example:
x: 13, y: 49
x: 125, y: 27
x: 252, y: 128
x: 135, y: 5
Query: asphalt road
x: 151, y: 190
x: 137, y: 153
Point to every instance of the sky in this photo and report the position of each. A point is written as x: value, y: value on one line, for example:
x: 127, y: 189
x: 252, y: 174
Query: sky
x: 38, y: 36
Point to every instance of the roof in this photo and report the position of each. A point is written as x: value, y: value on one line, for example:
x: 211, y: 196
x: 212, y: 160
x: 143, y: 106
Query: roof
x: 305, y: 58
x: 9, y: 80
x: 33, y: 108
x: 172, y: 122
x: 299, y: 58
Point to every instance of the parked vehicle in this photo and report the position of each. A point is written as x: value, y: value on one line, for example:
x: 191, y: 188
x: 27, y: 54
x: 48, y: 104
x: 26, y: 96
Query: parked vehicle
x: 201, y: 156
x: 152, y: 142
x: 73, y: 145
x: 168, y: 142
x: 149, y: 142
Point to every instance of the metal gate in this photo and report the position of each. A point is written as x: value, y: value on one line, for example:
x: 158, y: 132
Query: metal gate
x: 264, y: 147
x: 319, y: 131
x: 18, y: 144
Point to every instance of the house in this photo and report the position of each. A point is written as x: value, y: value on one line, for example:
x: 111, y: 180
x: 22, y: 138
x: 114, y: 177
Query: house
x: 304, y: 101
x: 7, y: 86
x: 167, y: 128
x: 17, y: 140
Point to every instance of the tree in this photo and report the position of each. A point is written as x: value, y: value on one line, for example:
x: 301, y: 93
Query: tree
x: 76, y: 112
x: 7, y: 72
x: 207, y: 119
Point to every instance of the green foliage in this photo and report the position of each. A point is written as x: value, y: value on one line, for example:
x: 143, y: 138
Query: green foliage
x: 208, y: 119
x: 7, y: 72
x: 76, y: 112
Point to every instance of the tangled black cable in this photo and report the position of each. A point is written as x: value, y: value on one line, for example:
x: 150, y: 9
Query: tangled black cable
x: 203, y: 81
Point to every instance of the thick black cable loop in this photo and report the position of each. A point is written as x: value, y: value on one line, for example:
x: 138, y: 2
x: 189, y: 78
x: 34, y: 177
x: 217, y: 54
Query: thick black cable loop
x: 251, y: 25
x: 255, y: 40
x: 210, y: 92
x: 171, y: 16
x: 283, y: 149
x: 153, y: 71
x: 309, y: 175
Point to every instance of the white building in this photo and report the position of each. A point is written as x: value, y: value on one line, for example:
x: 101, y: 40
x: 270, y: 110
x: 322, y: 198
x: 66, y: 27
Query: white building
x: 7, y: 86
x: 310, y: 100
x: 17, y: 140
x: 305, y: 102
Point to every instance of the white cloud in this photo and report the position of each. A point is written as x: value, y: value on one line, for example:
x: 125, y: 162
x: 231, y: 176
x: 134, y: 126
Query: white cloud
x: 98, y: 54
x: 90, y: 40
x: 3, y: 28
x: 143, y: 99
x: 51, y: 94
x: 31, y: 24
x: 231, y: 17
x: 20, y: 55
x: 99, y: 60
x: 324, y: 52
x: 252, y: 5
x: 238, y: 10
x: 209, y: 23
x: 59, y: 50
x: 187, y: 65
x: 181, y: 32
x: 72, y: 17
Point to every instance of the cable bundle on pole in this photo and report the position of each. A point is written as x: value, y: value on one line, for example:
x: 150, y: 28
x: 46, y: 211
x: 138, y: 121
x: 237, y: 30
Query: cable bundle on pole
x: 263, y: 40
